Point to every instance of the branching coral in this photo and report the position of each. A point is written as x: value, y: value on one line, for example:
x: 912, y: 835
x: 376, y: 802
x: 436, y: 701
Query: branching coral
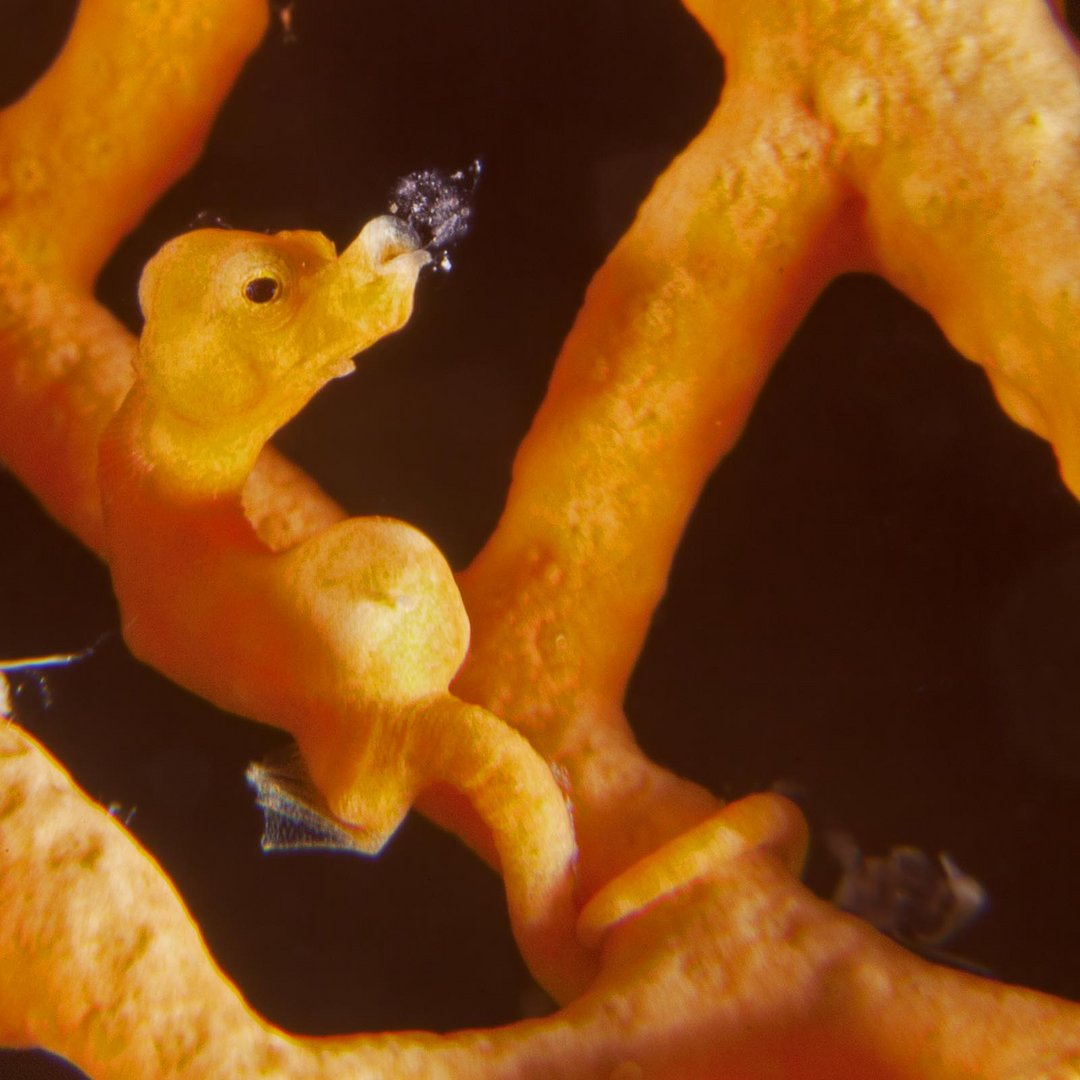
x: 350, y: 638
x: 900, y: 138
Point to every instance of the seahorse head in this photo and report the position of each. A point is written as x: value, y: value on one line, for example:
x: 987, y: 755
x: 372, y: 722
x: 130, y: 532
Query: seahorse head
x: 244, y: 327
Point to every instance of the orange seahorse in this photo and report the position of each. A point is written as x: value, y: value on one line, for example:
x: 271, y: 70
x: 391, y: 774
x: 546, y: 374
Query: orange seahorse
x: 349, y: 639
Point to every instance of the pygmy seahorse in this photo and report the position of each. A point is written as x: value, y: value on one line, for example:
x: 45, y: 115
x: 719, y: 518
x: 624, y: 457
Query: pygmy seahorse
x: 350, y: 638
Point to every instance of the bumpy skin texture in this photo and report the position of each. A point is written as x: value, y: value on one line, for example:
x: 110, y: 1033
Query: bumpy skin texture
x: 850, y: 134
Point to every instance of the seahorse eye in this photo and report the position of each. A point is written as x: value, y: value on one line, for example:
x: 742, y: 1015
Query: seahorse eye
x: 262, y: 290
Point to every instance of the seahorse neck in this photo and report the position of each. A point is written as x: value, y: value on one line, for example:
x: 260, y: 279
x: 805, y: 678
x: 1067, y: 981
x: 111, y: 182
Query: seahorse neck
x: 184, y: 460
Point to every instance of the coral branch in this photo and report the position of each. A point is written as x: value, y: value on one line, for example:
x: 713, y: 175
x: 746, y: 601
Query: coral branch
x: 819, y: 159
x: 108, y: 969
x: 119, y: 117
x: 674, y: 341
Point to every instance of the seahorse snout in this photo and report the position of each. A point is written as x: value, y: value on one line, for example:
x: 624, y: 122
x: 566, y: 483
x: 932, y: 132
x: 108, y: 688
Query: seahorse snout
x: 382, y: 242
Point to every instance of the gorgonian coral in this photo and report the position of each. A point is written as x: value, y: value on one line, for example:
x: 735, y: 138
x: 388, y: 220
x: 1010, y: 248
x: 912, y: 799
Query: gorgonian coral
x: 904, y: 139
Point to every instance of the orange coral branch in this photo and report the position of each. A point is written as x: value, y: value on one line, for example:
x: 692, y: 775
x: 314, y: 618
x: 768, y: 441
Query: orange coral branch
x: 674, y: 342
x: 108, y: 969
x: 889, y: 141
x: 114, y: 123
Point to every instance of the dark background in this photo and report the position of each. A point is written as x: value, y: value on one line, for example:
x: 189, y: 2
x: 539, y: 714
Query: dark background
x: 878, y: 598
